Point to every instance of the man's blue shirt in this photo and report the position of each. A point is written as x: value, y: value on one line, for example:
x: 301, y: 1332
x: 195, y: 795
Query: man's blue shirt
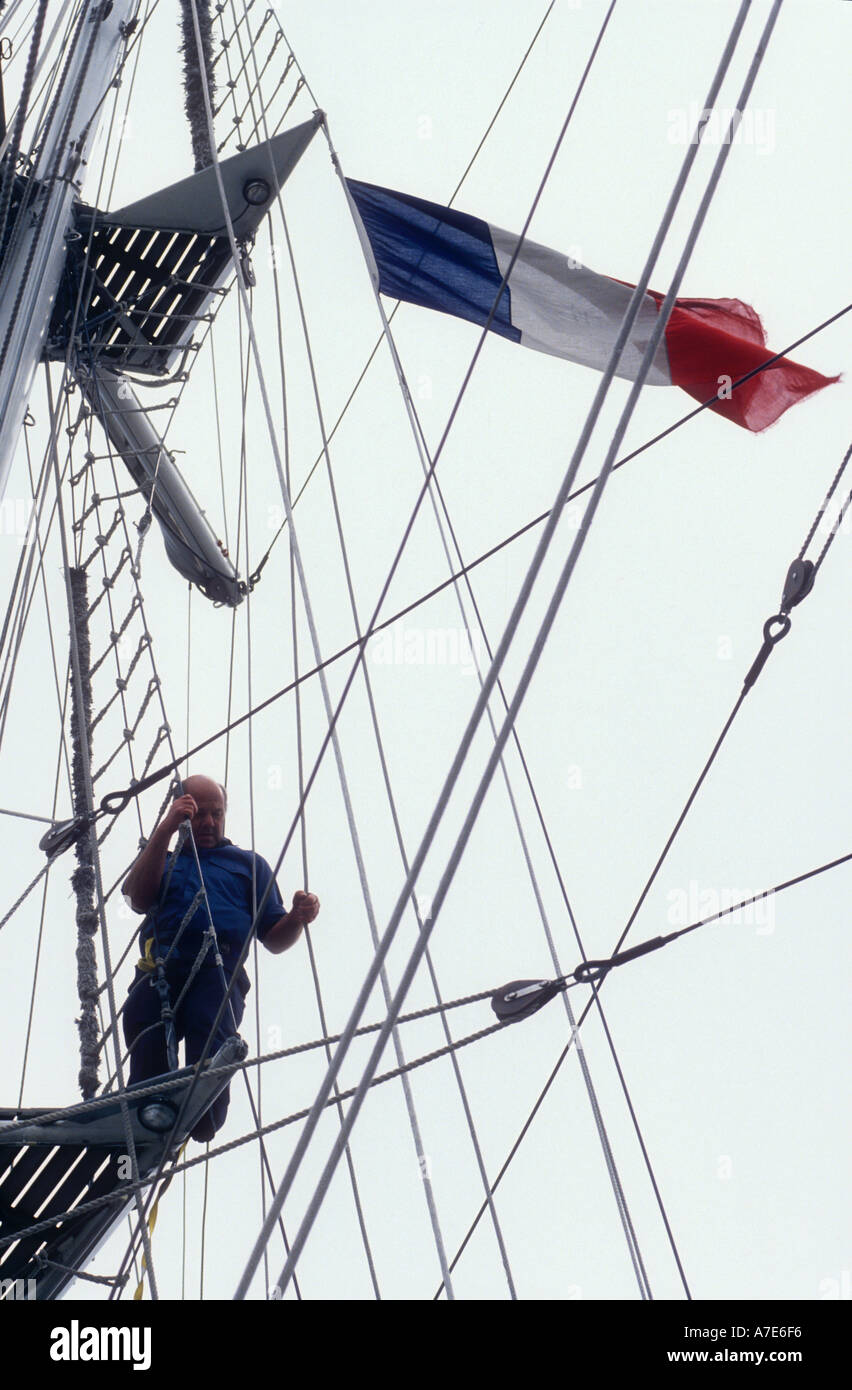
x: 235, y: 879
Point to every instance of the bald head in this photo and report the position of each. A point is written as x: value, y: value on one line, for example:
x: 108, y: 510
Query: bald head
x: 208, y: 823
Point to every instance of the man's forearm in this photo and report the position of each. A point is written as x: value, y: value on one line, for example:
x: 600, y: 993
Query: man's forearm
x: 143, y: 882
x: 283, y: 934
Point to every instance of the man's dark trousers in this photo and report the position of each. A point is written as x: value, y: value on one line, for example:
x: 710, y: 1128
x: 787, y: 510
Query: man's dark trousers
x: 193, y: 1020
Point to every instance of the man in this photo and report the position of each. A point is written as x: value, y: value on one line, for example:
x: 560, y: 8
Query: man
x: 164, y: 887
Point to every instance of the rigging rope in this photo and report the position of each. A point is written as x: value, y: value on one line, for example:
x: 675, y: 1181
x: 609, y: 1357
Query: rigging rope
x: 309, y: 615
x: 18, y: 129
x: 197, y: 71
x: 155, y: 682
x: 214, y: 943
x: 23, y: 595
x: 393, y: 311
x: 170, y: 1010
x: 71, y: 434
x: 158, y: 1089
x: 109, y: 1279
x: 471, y: 566
x: 300, y: 772
x: 426, y: 464
x: 566, y: 901
x: 40, y: 936
x: 821, y: 513
x: 39, y: 493
x: 256, y: 1106
x: 124, y: 796
x: 83, y: 877
x: 771, y: 638
x: 203, y: 1222
x: 107, y: 1101
x: 352, y: 603
x: 342, y: 776
x: 77, y: 677
x: 520, y: 605
x: 119, y: 1280
x: 134, y: 1187
x: 769, y: 642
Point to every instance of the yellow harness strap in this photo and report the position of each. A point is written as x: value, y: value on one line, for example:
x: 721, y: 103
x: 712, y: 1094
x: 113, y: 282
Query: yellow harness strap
x: 146, y: 962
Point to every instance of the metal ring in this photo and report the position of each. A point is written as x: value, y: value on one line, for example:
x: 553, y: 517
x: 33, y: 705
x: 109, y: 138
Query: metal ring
x: 773, y: 637
x: 588, y: 971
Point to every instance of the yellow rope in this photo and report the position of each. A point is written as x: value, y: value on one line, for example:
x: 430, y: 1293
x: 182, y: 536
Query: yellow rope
x: 152, y: 1221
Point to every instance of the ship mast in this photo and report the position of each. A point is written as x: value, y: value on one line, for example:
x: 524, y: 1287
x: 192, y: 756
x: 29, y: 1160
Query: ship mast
x: 34, y: 257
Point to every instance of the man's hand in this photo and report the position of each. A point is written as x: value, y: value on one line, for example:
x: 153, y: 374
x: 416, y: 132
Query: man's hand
x: 142, y: 885
x: 184, y: 808
x: 305, y: 908
x: 286, y: 931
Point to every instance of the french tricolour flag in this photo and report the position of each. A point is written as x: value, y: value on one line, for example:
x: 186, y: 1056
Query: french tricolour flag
x: 448, y: 260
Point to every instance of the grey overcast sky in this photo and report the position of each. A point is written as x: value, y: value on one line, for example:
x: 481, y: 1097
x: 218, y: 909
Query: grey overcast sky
x: 732, y: 1042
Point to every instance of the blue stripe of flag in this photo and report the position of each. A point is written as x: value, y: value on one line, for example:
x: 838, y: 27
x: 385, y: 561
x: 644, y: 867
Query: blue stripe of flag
x: 433, y: 256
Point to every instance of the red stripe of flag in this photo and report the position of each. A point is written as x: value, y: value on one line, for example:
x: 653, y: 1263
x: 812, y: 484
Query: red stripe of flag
x: 713, y: 342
